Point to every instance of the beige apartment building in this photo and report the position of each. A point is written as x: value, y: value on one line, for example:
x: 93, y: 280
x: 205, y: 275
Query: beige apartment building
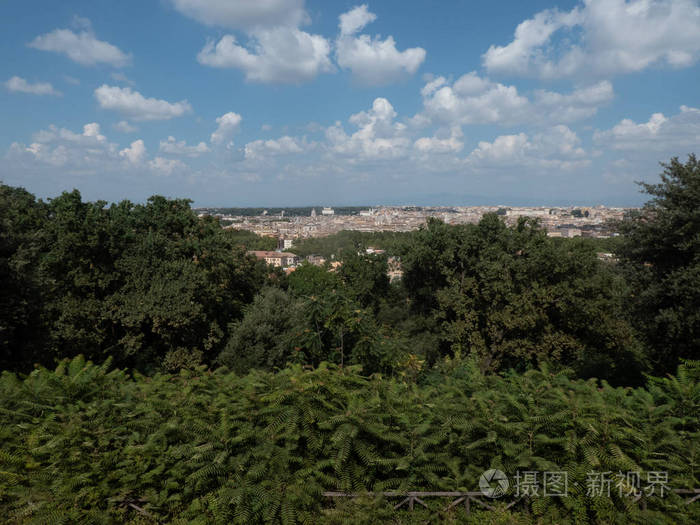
x: 280, y: 259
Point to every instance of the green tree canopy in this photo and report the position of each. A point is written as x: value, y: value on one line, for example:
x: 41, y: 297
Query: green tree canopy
x: 22, y: 323
x: 661, y: 254
x: 307, y: 280
x: 130, y: 281
x: 365, y: 277
x: 263, y: 338
x: 513, y: 297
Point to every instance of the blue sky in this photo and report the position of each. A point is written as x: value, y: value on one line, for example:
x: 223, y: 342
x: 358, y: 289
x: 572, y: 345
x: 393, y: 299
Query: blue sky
x: 293, y: 102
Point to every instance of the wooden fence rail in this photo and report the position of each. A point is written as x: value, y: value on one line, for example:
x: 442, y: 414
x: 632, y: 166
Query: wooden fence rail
x: 467, y: 498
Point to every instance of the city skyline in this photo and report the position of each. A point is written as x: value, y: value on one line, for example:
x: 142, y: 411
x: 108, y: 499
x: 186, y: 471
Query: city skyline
x: 307, y: 222
x: 291, y: 103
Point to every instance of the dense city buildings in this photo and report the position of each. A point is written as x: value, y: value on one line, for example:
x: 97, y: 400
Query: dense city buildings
x: 558, y: 221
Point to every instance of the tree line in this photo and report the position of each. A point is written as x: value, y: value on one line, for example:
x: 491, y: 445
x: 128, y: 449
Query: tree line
x: 155, y: 287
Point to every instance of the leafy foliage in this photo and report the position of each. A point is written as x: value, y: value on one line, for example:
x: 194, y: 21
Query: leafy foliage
x: 263, y: 338
x: 307, y: 280
x: 350, y: 242
x: 251, y: 241
x: 661, y: 256
x: 90, y: 444
x: 22, y: 327
x: 515, y: 298
x: 131, y: 282
x: 365, y: 277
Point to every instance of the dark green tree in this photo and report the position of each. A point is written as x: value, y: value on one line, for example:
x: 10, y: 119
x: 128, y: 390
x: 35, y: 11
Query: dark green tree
x: 308, y: 280
x: 365, y: 278
x: 22, y: 323
x: 250, y: 240
x: 425, y: 259
x: 336, y: 328
x: 661, y: 254
x: 263, y: 338
x: 133, y: 282
x: 515, y: 298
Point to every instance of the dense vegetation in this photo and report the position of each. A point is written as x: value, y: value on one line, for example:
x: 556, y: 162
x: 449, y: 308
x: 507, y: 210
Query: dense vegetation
x: 394, y: 243
x: 233, y: 392
x: 350, y: 242
x: 85, y: 444
x: 143, y: 284
x: 251, y: 241
x: 661, y: 259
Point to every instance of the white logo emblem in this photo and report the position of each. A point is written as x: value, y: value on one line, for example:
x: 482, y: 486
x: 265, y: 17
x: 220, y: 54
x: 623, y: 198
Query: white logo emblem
x: 493, y: 483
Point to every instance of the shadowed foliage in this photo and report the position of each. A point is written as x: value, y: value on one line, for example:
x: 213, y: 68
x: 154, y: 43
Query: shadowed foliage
x: 86, y: 443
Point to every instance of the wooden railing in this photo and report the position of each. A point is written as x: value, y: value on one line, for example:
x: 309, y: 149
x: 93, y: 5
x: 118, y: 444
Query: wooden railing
x: 413, y: 497
x: 467, y: 498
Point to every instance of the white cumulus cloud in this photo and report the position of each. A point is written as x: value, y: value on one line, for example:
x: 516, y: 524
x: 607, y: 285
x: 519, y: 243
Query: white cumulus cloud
x: 555, y: 148
x: 174, y: 147
x: 89, y: 137
x: 260, y: 149
x: 56, y: 146
x: 371, y: 60
x: 228, y: 124
x: 602, y: 37
x: 243, y: 14
x: 87, y: 153
x: 166, y: 166
x: 125, y: 127
x: 639, y: 146
x: 577, y: 105
x: 441, y: 142
x: 135, y: 153
x: 82, y: 47
x: 677, y: 135
x: 276, y: 55
x: 137, y: 107
x: 20, y: 85
x: 355, y: 19
x: 93, y: 130
x: 377, y: 137
x: 472, y: 99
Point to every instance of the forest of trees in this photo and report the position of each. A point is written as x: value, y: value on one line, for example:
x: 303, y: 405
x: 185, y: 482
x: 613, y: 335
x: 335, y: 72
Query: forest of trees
x: 155, y: 373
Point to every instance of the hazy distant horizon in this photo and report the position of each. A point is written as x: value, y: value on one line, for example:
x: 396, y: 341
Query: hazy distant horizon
x: 427, y: 200
x: 318, y: 207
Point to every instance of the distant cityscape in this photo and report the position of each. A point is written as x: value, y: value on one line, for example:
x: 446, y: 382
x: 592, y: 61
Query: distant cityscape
x: 289, y: 224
